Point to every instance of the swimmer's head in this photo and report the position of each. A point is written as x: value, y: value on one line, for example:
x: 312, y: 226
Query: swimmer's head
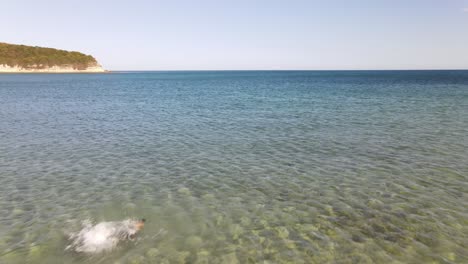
x: 140, y: 224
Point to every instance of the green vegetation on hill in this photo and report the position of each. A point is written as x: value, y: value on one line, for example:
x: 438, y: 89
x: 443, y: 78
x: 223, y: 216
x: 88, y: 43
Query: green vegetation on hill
x: 38, y: 57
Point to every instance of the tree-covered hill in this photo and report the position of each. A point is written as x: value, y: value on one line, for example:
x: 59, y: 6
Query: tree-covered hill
x: 39, y: 58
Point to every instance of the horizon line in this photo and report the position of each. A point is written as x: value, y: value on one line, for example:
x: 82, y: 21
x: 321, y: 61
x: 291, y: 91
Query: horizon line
x: 221, y: 70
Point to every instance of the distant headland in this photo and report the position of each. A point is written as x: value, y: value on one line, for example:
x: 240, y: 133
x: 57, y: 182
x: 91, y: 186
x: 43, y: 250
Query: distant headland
x: 31, y: 59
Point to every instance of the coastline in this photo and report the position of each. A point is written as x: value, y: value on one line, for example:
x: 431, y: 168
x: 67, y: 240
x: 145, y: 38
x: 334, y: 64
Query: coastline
x: 55, y: 69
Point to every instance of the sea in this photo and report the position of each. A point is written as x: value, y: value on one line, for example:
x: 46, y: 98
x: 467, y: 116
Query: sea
x: 237, y: 166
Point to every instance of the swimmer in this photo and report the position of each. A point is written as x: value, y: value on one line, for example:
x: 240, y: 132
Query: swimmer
x: 104, y: 236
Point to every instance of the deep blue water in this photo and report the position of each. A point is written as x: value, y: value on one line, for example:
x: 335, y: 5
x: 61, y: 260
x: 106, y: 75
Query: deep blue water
x: 278, y: 166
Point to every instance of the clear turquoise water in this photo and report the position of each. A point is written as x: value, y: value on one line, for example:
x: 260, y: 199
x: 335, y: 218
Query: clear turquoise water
x: 237, y: 167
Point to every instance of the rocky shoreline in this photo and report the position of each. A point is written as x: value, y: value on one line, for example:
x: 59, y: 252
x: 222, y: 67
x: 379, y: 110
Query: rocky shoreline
x: 54, y: 69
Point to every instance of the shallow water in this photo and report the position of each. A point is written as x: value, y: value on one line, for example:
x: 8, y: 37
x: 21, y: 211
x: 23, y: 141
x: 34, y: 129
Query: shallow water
x: 237, y: 167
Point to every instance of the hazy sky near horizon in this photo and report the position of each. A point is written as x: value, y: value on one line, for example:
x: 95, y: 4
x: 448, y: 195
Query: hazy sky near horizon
x: 244, y: 35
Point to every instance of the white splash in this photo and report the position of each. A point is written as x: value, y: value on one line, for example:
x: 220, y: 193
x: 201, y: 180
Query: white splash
x: 103, y: 236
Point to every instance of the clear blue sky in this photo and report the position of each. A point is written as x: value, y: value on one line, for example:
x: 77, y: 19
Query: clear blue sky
x: 247, y: 34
